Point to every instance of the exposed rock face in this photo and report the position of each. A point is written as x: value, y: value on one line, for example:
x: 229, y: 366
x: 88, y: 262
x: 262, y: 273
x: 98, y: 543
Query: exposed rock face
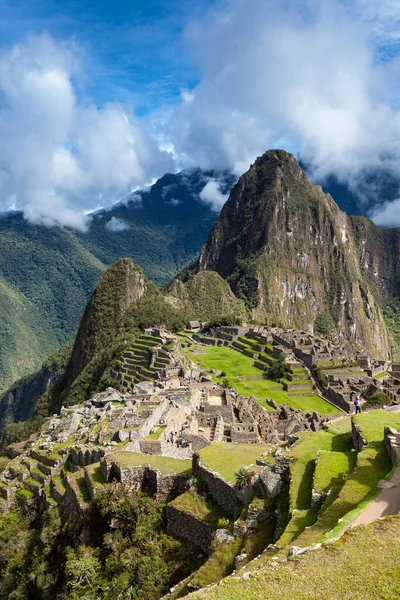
x: 288, y: 250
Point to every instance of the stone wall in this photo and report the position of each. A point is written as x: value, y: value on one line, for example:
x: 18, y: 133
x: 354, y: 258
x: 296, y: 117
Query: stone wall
x: 145, y: 478
x: 392, y: 439
x: 150, y: 447
x: 184, y: 526
x: 337, y: 399
x: 83, y: 455
x: 245, y: 433
x: 154, y: 418
x: 226, y: 495
x: 358, y: 440
x: 197, y: 441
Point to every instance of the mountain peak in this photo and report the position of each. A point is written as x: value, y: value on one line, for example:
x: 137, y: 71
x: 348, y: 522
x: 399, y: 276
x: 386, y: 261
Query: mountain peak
x: 288, y: 251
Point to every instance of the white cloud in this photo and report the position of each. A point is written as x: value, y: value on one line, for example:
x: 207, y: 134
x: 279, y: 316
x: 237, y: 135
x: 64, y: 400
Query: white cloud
x: 211, y: 194
x: 116, y: 225
x: 301, y: 73
x: 57, y: 155
x: 387, y: 215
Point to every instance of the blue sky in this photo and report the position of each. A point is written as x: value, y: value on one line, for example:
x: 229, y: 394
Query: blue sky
x: 99, y: 98
x: 133, y: 51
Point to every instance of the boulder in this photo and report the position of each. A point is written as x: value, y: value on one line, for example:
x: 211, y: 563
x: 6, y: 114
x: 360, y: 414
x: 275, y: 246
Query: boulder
x: 240, y: 560
x: 223, y: 535
x: 144, y: 388
x: 121, y: 436
x: 270, y: 483
x: 109, y: 395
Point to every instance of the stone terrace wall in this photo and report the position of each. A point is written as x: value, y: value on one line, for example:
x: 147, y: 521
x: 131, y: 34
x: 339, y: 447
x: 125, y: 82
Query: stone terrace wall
x: 392, y: 438
x: 182, y: 525
x: 145, y: 478
x: 337, y: 399
x: 223, y: 493
x: 358, y: 440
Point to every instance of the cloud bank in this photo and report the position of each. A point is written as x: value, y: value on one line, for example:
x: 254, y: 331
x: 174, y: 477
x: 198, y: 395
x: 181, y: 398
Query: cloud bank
x: 58, y: 155
x: 318, y: 78
x: 307, y: 76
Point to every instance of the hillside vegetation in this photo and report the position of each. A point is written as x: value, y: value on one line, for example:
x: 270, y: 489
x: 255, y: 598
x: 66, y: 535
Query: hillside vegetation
x: 47, y: 274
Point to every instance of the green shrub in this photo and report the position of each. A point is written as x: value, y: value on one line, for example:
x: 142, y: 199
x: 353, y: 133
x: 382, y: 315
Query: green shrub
x: 324, y: 324
x: 242, y: 476
x: 278, y: 370
x: 378, y: 401
x: 223, y: 523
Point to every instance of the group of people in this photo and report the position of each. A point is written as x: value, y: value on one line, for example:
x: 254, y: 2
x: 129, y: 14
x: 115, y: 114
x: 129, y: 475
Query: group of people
x: 178, y: 439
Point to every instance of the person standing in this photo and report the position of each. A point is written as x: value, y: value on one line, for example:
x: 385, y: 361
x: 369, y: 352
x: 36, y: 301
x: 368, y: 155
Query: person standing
x: 357, y: 403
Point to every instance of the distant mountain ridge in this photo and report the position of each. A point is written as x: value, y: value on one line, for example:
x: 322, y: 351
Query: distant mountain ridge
x: 47, y: 274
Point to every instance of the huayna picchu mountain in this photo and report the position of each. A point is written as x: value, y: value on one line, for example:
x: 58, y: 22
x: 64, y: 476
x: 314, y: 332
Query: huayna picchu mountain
x: 294, y: 257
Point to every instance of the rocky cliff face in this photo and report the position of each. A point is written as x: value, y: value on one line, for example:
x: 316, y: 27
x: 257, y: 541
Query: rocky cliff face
x: 288, y: 250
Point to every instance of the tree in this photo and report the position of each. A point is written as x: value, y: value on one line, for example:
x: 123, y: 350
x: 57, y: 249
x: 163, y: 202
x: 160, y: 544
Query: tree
x: 82, y: 567
x: 278, y: 370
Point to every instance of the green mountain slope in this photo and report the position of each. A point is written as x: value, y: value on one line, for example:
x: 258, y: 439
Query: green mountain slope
x: 48, y: 273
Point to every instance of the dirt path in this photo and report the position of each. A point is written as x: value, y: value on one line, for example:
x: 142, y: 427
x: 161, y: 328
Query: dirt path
x: 387, y: 502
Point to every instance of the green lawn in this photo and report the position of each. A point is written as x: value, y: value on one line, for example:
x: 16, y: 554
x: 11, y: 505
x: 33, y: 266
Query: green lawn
x: 304, y: 454
x: 364, y: 565
x: 330, y: 469
x: 235, y: 365
x: 372, y: 423
x: 162, y: 463
x: 354, y: 483
x: 373, y: 464
x: 225, y: 458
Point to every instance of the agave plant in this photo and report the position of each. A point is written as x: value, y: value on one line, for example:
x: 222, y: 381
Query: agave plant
x: 242, y: 476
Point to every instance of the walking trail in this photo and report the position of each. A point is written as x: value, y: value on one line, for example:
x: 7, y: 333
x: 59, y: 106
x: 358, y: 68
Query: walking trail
x: 387, y: 502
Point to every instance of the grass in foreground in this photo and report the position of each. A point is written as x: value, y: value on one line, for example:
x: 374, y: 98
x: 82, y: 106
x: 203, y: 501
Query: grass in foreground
x: 373, y: 464
x: 363, y: 565
x: 225, y: 458
x: 304, y: 454
x: 163, y: 464
x: 372, y: 423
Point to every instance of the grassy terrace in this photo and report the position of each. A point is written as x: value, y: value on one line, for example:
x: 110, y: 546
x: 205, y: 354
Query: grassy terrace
x: 237, y: 365
x: 331, y: 469
x: 201, y: 508
x: 361, y: 566
x: 226, y: 458
x: 354, y: 477
x: 163, y: 464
